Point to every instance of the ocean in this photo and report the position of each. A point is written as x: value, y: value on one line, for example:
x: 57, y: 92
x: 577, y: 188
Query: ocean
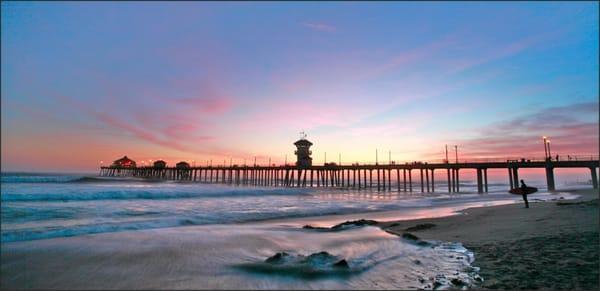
x: 234, y: 229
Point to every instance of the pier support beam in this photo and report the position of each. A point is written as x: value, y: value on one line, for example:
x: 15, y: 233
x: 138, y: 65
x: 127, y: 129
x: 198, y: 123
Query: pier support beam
x: 515, y: 175
x: 389, y: 180
x: 404, y: 179
x: 432, y: 181
x: 410, y: 180
x: 378, y: 187
x: 398, y: 178
x: 510, y: 179
x: 485, y: 180
x: 427, y: 178
x: 422, y: 185
x: 594, y: 177
x: 479, y: 181
x: 449, y: 181
x: 550, y: 178
x: 457, y: 181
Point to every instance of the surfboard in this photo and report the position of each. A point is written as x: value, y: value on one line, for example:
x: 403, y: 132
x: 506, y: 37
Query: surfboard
x: 519, y: 191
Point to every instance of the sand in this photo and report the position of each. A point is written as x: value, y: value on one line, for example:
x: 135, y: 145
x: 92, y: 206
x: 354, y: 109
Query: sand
x: 550, y: 245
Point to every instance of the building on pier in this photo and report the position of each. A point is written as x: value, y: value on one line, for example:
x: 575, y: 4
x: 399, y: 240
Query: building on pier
x: 160, y: 164
x: 182, y: 165
x: 303, y: 153
x: 124, y: 162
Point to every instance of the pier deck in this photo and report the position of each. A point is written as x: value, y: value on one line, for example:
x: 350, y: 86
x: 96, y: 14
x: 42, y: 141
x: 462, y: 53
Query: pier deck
x: 355, y: 176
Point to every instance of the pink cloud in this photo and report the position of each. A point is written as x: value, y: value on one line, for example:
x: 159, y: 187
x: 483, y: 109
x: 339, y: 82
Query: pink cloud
x: 211, y: 105
x: 572, y: 129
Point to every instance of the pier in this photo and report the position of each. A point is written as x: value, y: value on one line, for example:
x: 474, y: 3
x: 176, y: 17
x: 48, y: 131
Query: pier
x: 383, y: 177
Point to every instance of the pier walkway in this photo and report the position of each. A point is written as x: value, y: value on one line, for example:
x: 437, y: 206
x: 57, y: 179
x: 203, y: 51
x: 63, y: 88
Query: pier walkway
x: 397, y: 177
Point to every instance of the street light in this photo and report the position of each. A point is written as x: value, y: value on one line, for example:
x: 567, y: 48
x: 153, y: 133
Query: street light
x: 447, y: 161
x: 549, y: 153
x: 456, y: 152
x: 545, y: 149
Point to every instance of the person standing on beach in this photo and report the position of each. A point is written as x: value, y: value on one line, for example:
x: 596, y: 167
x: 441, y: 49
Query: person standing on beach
x: 523, y: 188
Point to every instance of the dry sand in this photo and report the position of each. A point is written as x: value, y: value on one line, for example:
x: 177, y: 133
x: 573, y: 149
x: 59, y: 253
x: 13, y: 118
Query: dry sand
x: 550, y: 245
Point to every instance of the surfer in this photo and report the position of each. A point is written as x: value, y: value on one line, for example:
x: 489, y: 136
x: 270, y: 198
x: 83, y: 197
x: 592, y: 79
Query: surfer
x: 523, y: 188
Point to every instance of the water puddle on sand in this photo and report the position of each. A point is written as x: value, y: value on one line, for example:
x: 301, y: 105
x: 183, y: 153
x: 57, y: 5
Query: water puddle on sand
x: 237, y: 257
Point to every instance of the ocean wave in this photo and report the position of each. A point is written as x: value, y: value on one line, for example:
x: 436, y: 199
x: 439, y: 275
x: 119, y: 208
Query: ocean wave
x: 42, y: 178
x: 38, y: 178
x: 145, y: 194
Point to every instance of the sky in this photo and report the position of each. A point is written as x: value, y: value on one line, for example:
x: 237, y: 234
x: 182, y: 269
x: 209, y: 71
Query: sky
x: 86, y: 83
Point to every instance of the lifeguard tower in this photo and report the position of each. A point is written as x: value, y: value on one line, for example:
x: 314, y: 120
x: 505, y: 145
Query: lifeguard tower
x: 303, y: 152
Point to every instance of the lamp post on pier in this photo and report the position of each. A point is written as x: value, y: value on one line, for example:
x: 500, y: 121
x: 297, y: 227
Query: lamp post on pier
x: 549, y: 153
x: 545, y: 147
x: 456, y: 152
x: 447, y: 161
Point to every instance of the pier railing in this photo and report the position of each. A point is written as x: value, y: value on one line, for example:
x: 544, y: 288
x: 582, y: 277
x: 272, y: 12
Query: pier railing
x: 361, y: 176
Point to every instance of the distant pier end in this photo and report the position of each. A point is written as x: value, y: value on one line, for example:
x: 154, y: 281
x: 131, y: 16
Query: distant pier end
x: 303, y: 153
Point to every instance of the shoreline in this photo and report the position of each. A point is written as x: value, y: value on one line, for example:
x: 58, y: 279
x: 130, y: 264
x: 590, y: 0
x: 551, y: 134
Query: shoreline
x: 546, y: 234
x: 552, y: 244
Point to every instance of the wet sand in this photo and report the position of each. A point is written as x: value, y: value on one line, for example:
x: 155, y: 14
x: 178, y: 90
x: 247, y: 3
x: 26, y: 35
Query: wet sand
x: 550, y: 245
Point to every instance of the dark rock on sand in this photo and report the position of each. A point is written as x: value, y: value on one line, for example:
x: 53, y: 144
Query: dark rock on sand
x: 315, y: 227
x: 342, y: 264
x: 343, y: 225
x: 360, y: 222
x: 418, y: 227
x: 415, y: 239
x: 582, y: 203
x: 277, y: 258
x: 410, y: 236
x: 320, y: 255
x: 457, y: 282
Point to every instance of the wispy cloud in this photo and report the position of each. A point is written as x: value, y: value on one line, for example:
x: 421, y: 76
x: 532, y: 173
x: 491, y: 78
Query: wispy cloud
x: 318, y: 26
x: 207, y: 105
x: 573, y: 129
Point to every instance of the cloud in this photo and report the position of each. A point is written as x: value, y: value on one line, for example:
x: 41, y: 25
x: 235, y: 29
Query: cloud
x: 573, y: 129
x: 319, y: 26
x: 207, y: 104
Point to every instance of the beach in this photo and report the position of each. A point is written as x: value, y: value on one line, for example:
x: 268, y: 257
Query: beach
x: 552, y: 244
x: 85, y: 233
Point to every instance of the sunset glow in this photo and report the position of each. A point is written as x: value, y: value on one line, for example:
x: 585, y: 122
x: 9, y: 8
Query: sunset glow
x: 193, y: 81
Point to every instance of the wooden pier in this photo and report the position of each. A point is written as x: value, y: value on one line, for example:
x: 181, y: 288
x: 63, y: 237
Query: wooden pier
x: 355, y: 176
